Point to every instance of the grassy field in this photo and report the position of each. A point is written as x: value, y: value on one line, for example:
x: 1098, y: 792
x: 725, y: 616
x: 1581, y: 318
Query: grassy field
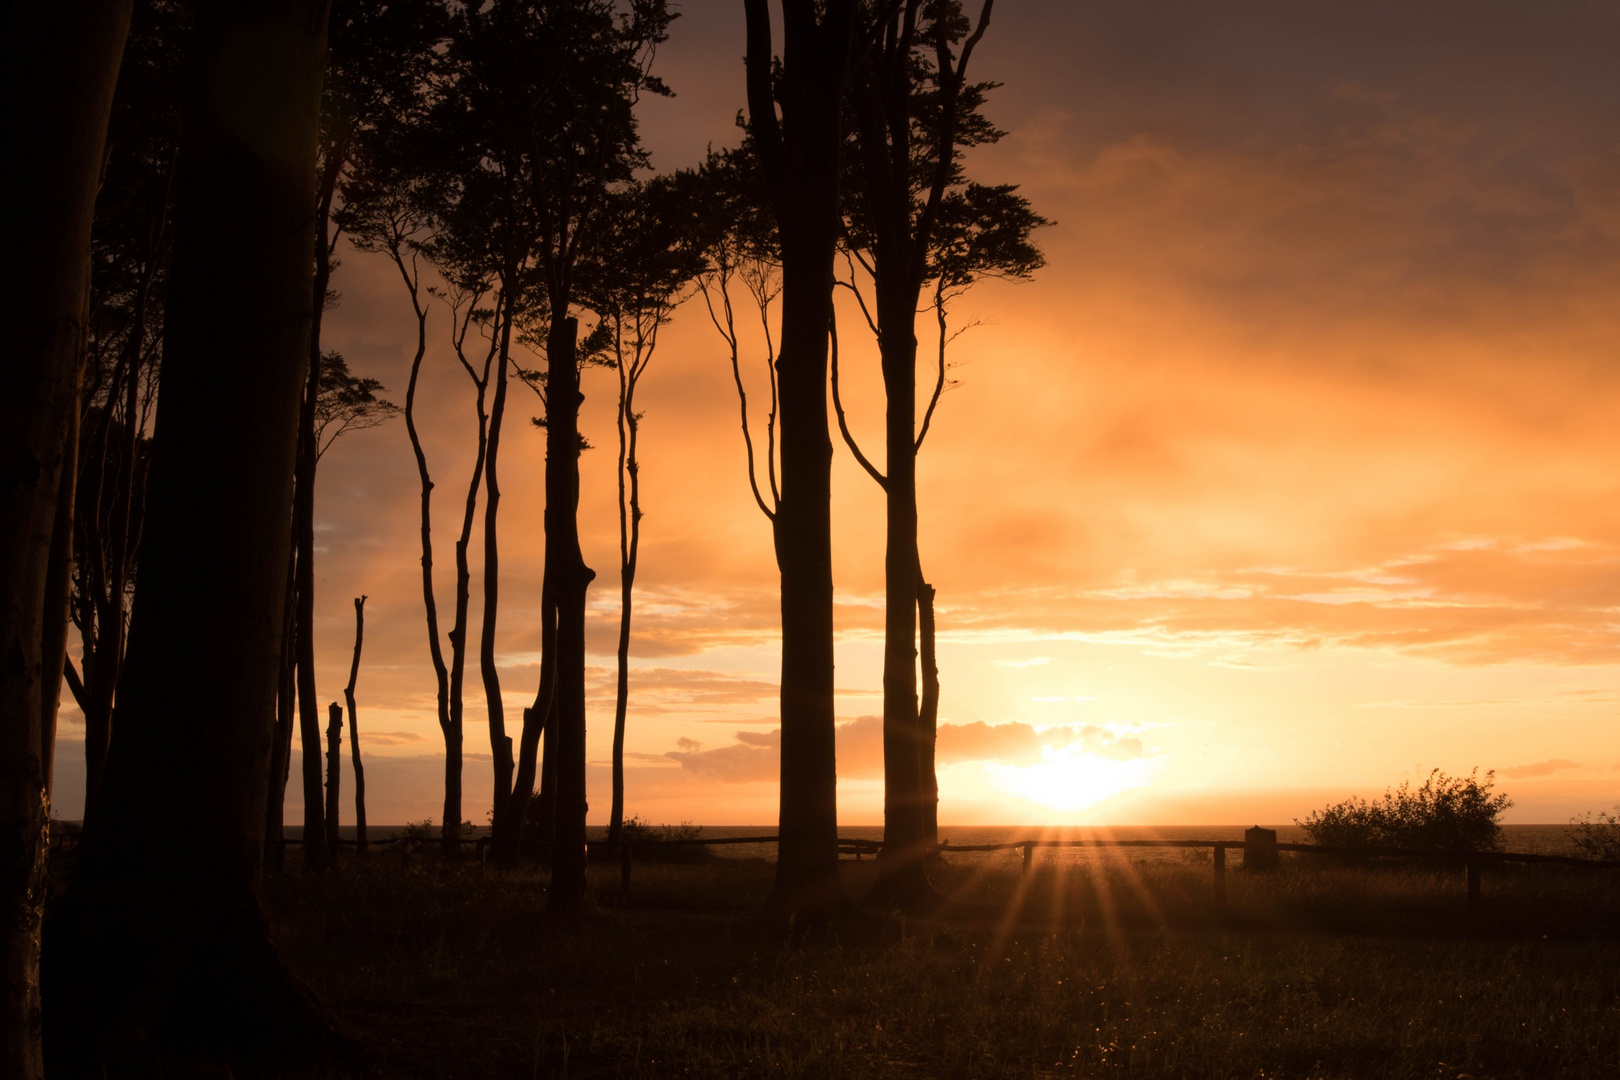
x: 1095, y: 967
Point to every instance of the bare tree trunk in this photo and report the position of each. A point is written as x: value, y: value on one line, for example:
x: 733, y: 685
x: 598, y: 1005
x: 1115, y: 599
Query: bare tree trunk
x: 334, y: 777
x: 354, y: 729
x: 566, y: 566
x: 66, y: 72
x: 928, y: 716
x: 537, y: 721
x: 504, y: 828
x: 275, y: 846
x: 309, y: 716
x: 800, y: 156
x: 449, y: 727
x: 629, y: 548
x: 159, y: 950
x: 58, y: 588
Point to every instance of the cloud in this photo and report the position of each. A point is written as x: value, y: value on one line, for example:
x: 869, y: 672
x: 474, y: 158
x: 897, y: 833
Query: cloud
x: 1539, y: 768
x: 388, y: 738
x: 754, y: 756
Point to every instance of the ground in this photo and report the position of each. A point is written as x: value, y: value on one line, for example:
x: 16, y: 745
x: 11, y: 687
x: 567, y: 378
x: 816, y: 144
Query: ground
x: 1094, y: 967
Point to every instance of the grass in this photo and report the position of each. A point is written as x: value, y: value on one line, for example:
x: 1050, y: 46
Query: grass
x: 1097, y: 967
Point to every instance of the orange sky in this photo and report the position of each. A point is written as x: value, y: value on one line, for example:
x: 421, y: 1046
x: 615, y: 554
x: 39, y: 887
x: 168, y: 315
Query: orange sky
x: 1295, y: 474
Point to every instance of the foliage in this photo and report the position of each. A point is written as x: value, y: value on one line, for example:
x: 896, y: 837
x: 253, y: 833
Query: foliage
x: 1448, y: 813
x: 637, y: 831
x: 1596, y: 836
x: 347, y: 402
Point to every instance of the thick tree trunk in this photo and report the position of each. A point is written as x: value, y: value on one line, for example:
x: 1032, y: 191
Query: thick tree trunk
x: 800, y: 155
x: 61, y: 100
x: 58, y: 590
x: 159, y: 951
x: 902, y: 872
x: 567, y: 569
x: 360, y: 844
x: 334, y: 776
x: 536, y: 722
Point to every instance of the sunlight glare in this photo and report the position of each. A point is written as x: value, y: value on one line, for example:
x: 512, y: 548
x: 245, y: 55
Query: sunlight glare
x: 1070, y: 778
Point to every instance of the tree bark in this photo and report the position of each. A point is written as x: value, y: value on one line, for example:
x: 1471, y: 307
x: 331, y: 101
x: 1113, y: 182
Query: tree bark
x: 629, y: 549
x: 537, y: 722
x: 334, y: 777
x: 61, y: 102
x: 566, y: 568
x: 360, y: 844
x: 159, y: 951
x: 928, y: 716
x: 800, y: 155
x: 275, y: 847
x: 504, y: 828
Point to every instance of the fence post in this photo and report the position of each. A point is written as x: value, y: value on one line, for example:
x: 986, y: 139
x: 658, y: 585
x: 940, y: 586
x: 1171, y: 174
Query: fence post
x: 1471, y: 869
x: 1029, y: 860
x: 1220, y: 877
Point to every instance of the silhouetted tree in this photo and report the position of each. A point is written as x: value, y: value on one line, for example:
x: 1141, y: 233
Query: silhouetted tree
x: 60, y: 101
x: 799, y: 150
x: 354, y: 729
x: 652, y: 245
x: 378, y: 54
x: 130, y: 248
x: 912, y: 111
x: 159, y: 948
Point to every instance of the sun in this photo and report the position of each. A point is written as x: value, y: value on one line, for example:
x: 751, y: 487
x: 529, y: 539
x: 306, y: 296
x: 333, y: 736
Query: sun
x: 1071, y: 778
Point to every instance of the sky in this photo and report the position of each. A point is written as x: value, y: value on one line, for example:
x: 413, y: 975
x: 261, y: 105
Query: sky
x: 1294, y: 474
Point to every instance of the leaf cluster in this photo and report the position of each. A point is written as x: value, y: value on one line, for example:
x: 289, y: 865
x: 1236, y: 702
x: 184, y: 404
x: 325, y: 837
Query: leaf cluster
x: 1448, y: 813
x: 1596, y: 836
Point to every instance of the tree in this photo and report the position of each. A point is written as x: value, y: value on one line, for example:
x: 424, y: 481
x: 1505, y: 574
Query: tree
x: 159, y: 947
x: 799, y: 151
x: 378, y: 53
x: 652, y: 249
x: 130, y: 242
x: 912, y: 112
x: 61, y: 103
x: 360, y: 844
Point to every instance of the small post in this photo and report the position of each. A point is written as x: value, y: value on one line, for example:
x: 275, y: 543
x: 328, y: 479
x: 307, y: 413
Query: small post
x: 1029, y: 860
x: 1260, y: 849
x: 1471, y: 868
x: 1220, y: 877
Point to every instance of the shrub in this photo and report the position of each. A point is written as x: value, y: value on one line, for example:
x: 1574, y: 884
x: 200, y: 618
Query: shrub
x: 636, y: 831
x: 1448, y: 813
x: 1596, y: 837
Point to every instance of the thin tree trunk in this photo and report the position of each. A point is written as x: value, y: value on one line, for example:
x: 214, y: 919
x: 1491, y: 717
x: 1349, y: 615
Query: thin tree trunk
x: 449, y: 728
x: 334, y: 777
x: 159, y: 950
x: 800, y: 155
x: 629, y: 547
x: 536, y: 723
x: 316, y: 854
x: 504, y: 828
x: 354, y: 729
x: 928, y: 716
x: 62, y: 98
x: 549, y: 752
x: 275, y: 846
x: 566, y: 565
x: 58, y: 591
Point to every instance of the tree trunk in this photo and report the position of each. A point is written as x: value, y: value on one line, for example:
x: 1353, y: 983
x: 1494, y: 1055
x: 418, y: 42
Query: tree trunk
x: 504, y: 829
x: 928, y: 716
x: 536, y: 722
x: 159, y: 951
x: 800, y: 156
x: 360, y: 845
x: 901, y: 867
x: 566, y: 566
x: 61, y: 100
x: 275, y: 847
x: 334, y: 777
x: 629, y: 548
x: 58, y: 591
x: 309, y: 716
x: 448, y: 727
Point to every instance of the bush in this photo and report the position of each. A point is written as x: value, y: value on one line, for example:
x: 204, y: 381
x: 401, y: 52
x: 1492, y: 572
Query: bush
x: 636, y: 831
x: 1448, y: 813
x: 1596, y: 837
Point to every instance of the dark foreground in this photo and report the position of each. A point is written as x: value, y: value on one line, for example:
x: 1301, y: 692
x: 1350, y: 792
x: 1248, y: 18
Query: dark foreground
x: 1095, y: 968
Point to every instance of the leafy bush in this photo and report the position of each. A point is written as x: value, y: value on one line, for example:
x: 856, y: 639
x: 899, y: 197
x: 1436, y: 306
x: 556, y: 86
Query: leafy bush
x: 1596, y: 837
x: 636, y: 831
x: 1448, y: 813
